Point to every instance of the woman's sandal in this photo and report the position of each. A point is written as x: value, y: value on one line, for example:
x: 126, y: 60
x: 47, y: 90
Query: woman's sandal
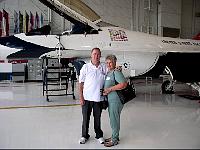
x: 109, y: 139
x: 110, y: 143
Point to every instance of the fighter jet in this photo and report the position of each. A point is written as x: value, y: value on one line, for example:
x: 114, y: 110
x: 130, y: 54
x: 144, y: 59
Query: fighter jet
x: 139, y: 54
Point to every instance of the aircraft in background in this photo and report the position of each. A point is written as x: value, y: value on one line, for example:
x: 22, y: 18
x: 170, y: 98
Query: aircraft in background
x: 139, y: 54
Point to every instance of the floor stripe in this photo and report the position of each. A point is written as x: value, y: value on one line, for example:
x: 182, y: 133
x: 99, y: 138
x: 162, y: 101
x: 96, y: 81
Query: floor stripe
x: 36, y: 106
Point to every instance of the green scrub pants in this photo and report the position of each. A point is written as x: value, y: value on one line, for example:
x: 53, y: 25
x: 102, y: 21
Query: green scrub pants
x: 114, y: 110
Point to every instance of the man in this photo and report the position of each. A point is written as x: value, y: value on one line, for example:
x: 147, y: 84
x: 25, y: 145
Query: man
x: 91, y: 81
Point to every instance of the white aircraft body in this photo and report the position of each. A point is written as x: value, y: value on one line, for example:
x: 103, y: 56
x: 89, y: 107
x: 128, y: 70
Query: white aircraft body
x: 138, y: 53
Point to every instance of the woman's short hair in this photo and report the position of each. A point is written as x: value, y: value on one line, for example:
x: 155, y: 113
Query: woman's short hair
x: 113, y: 58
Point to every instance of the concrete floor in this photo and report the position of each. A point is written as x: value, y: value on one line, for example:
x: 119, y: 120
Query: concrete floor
x: 151, y: 120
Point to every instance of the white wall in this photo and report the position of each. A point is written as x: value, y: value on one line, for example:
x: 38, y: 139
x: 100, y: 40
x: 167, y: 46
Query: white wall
x: 145, y: 16
x: 117, y: 12
x: 190, y: 25
x: 187, y: 19
x: 197, y: 19
x: 169, y: 14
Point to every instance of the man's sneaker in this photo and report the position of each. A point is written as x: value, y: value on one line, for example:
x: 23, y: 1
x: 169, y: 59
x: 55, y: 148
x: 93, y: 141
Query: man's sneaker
x: 82, y: 140
x: 101, y: 140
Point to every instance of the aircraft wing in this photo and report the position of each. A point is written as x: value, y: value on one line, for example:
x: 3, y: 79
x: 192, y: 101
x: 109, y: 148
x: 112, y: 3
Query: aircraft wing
x: 77, y: 54
x: 6, y: 51
x: 47, y: 41
x: 23, y: 46
x: 74, y: 11
x: 67, y: 54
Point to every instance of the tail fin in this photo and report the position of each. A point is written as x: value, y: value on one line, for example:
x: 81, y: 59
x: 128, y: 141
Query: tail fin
x: 45, y: 30
x: 196, y: 37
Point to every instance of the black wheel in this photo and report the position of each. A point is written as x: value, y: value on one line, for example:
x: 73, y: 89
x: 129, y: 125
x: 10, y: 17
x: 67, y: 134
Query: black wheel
x: 166, y: 88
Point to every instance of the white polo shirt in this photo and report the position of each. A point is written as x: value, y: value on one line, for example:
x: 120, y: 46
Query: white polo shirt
x: 93, y: 78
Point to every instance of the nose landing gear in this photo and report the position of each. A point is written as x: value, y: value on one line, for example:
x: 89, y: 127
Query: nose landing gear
x: 168, y: 82
x: 167, y: 87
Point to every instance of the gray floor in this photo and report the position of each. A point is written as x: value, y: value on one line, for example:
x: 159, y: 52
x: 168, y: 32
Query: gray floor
x: 151, y: 120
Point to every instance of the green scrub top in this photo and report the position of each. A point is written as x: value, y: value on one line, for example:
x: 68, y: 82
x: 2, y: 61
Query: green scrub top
x: 119, y: 77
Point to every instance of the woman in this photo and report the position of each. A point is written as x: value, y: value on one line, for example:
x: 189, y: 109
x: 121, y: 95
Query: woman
x: 114, y: 104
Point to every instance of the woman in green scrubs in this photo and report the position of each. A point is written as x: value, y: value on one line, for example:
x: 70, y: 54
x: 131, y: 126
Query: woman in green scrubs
x: 114, y: 104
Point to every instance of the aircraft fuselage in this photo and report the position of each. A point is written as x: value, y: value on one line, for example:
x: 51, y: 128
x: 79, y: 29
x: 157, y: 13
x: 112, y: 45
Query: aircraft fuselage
x: 137, y: 52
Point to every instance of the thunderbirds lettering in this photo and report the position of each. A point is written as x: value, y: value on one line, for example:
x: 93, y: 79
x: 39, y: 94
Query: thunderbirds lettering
x: 181, y: 43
